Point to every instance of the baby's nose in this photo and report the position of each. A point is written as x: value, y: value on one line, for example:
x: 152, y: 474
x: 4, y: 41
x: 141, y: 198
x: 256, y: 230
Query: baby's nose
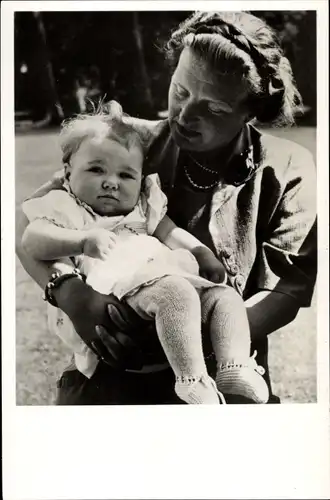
x: 110, y: 182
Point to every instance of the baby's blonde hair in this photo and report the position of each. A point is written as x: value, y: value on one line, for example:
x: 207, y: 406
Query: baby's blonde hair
x: 107, y: 121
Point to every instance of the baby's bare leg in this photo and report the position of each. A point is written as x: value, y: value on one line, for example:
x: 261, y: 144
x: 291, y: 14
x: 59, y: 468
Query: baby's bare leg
x: 223, y: 310
x: 175, y: 306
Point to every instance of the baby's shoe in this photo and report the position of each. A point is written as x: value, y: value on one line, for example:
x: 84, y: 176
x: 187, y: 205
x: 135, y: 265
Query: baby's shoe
x: 243, y: 380
x: 198, y: 390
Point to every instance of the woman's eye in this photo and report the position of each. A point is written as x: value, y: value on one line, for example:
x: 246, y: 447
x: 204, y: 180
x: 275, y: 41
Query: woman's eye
x: 180, y: 91
x: 216, y: 109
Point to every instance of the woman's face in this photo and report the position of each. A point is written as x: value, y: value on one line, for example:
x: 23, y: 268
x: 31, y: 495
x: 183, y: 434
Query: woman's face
x: 206, y: 111
x: 106, y: 176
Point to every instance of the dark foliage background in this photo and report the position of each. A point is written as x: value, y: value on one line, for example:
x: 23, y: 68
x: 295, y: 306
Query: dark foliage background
x: 122, y: 52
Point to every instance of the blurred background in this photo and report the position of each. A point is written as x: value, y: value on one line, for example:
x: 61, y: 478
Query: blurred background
x: 65, y: 61
x: 65, y: 58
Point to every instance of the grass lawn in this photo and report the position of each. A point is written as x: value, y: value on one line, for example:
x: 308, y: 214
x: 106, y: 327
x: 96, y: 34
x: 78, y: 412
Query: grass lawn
x: 40, y: 356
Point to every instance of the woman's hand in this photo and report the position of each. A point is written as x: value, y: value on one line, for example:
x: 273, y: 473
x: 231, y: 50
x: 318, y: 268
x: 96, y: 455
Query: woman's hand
x: 101, y: 320
x: 209, y: 266
x: 99, y: 242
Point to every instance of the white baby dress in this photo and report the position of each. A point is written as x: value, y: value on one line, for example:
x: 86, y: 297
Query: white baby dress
x: 137, y: 259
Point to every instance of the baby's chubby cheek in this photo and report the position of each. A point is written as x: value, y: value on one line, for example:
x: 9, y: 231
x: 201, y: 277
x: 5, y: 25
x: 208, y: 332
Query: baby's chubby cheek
x: 87, y: 193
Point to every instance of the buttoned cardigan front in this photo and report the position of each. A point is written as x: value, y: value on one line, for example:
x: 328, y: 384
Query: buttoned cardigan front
x: 263, y: 221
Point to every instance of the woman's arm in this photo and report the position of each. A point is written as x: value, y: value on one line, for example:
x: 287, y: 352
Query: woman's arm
x: 56, y: 183
x: 268, y: 311
x: 288, y: 254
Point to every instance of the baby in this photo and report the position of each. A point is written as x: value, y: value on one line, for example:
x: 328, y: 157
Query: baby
x: 111, y: 220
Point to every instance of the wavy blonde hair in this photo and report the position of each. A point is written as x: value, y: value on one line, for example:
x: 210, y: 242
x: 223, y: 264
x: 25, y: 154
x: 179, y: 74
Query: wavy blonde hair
x: 106, y: 121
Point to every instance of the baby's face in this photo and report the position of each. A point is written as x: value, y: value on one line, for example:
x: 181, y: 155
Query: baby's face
x: 106, y: 176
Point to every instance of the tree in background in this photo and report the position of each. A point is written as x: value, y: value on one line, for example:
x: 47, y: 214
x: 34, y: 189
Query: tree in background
x: 125, y: 49
x: 54, y: 107
x: 297, y: 32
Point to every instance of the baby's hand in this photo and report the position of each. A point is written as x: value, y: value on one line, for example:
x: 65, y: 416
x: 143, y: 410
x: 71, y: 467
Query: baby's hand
x: 213, y: 271
x: 99, y: 242
x: 209, y: 266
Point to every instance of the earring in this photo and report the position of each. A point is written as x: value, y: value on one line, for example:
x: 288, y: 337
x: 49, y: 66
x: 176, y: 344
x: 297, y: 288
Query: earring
x: 67, y: 173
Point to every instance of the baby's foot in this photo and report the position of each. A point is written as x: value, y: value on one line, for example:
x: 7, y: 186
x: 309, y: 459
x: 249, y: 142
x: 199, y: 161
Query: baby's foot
x: 198, y: 390
x: 243, y: 380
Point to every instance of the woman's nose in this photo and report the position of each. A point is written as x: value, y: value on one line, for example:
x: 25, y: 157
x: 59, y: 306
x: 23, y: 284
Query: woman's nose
x: 188, y: 114
x: 110, y: 183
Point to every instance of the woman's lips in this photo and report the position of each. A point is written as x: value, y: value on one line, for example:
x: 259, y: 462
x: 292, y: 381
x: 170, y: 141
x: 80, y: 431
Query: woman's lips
x: 186, y: 132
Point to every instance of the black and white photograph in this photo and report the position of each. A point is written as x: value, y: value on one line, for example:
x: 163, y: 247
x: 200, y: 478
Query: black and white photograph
x: 213, y: 232
x: 167, y: 249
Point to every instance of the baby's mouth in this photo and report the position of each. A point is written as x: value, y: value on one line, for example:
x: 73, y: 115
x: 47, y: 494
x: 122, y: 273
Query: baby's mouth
x: 108, y: 197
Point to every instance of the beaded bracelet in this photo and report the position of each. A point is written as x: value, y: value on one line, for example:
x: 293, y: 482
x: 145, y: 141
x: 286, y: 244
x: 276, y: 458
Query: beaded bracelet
x: 56, y: 280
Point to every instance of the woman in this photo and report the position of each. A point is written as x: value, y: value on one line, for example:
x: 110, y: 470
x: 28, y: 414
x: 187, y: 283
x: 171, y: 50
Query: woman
x: 246, y: 195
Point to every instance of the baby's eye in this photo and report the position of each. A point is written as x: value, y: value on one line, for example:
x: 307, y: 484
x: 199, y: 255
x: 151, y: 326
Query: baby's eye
x: 95, y: 169
x: 126, y: 175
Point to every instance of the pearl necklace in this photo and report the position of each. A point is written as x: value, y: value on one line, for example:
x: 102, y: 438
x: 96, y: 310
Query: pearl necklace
x: 248, y: 162
x: 195, y: 185
x: 202, y: 166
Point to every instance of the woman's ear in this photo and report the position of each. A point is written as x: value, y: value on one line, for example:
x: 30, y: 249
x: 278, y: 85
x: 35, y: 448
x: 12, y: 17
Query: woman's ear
x: 67, y: 171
